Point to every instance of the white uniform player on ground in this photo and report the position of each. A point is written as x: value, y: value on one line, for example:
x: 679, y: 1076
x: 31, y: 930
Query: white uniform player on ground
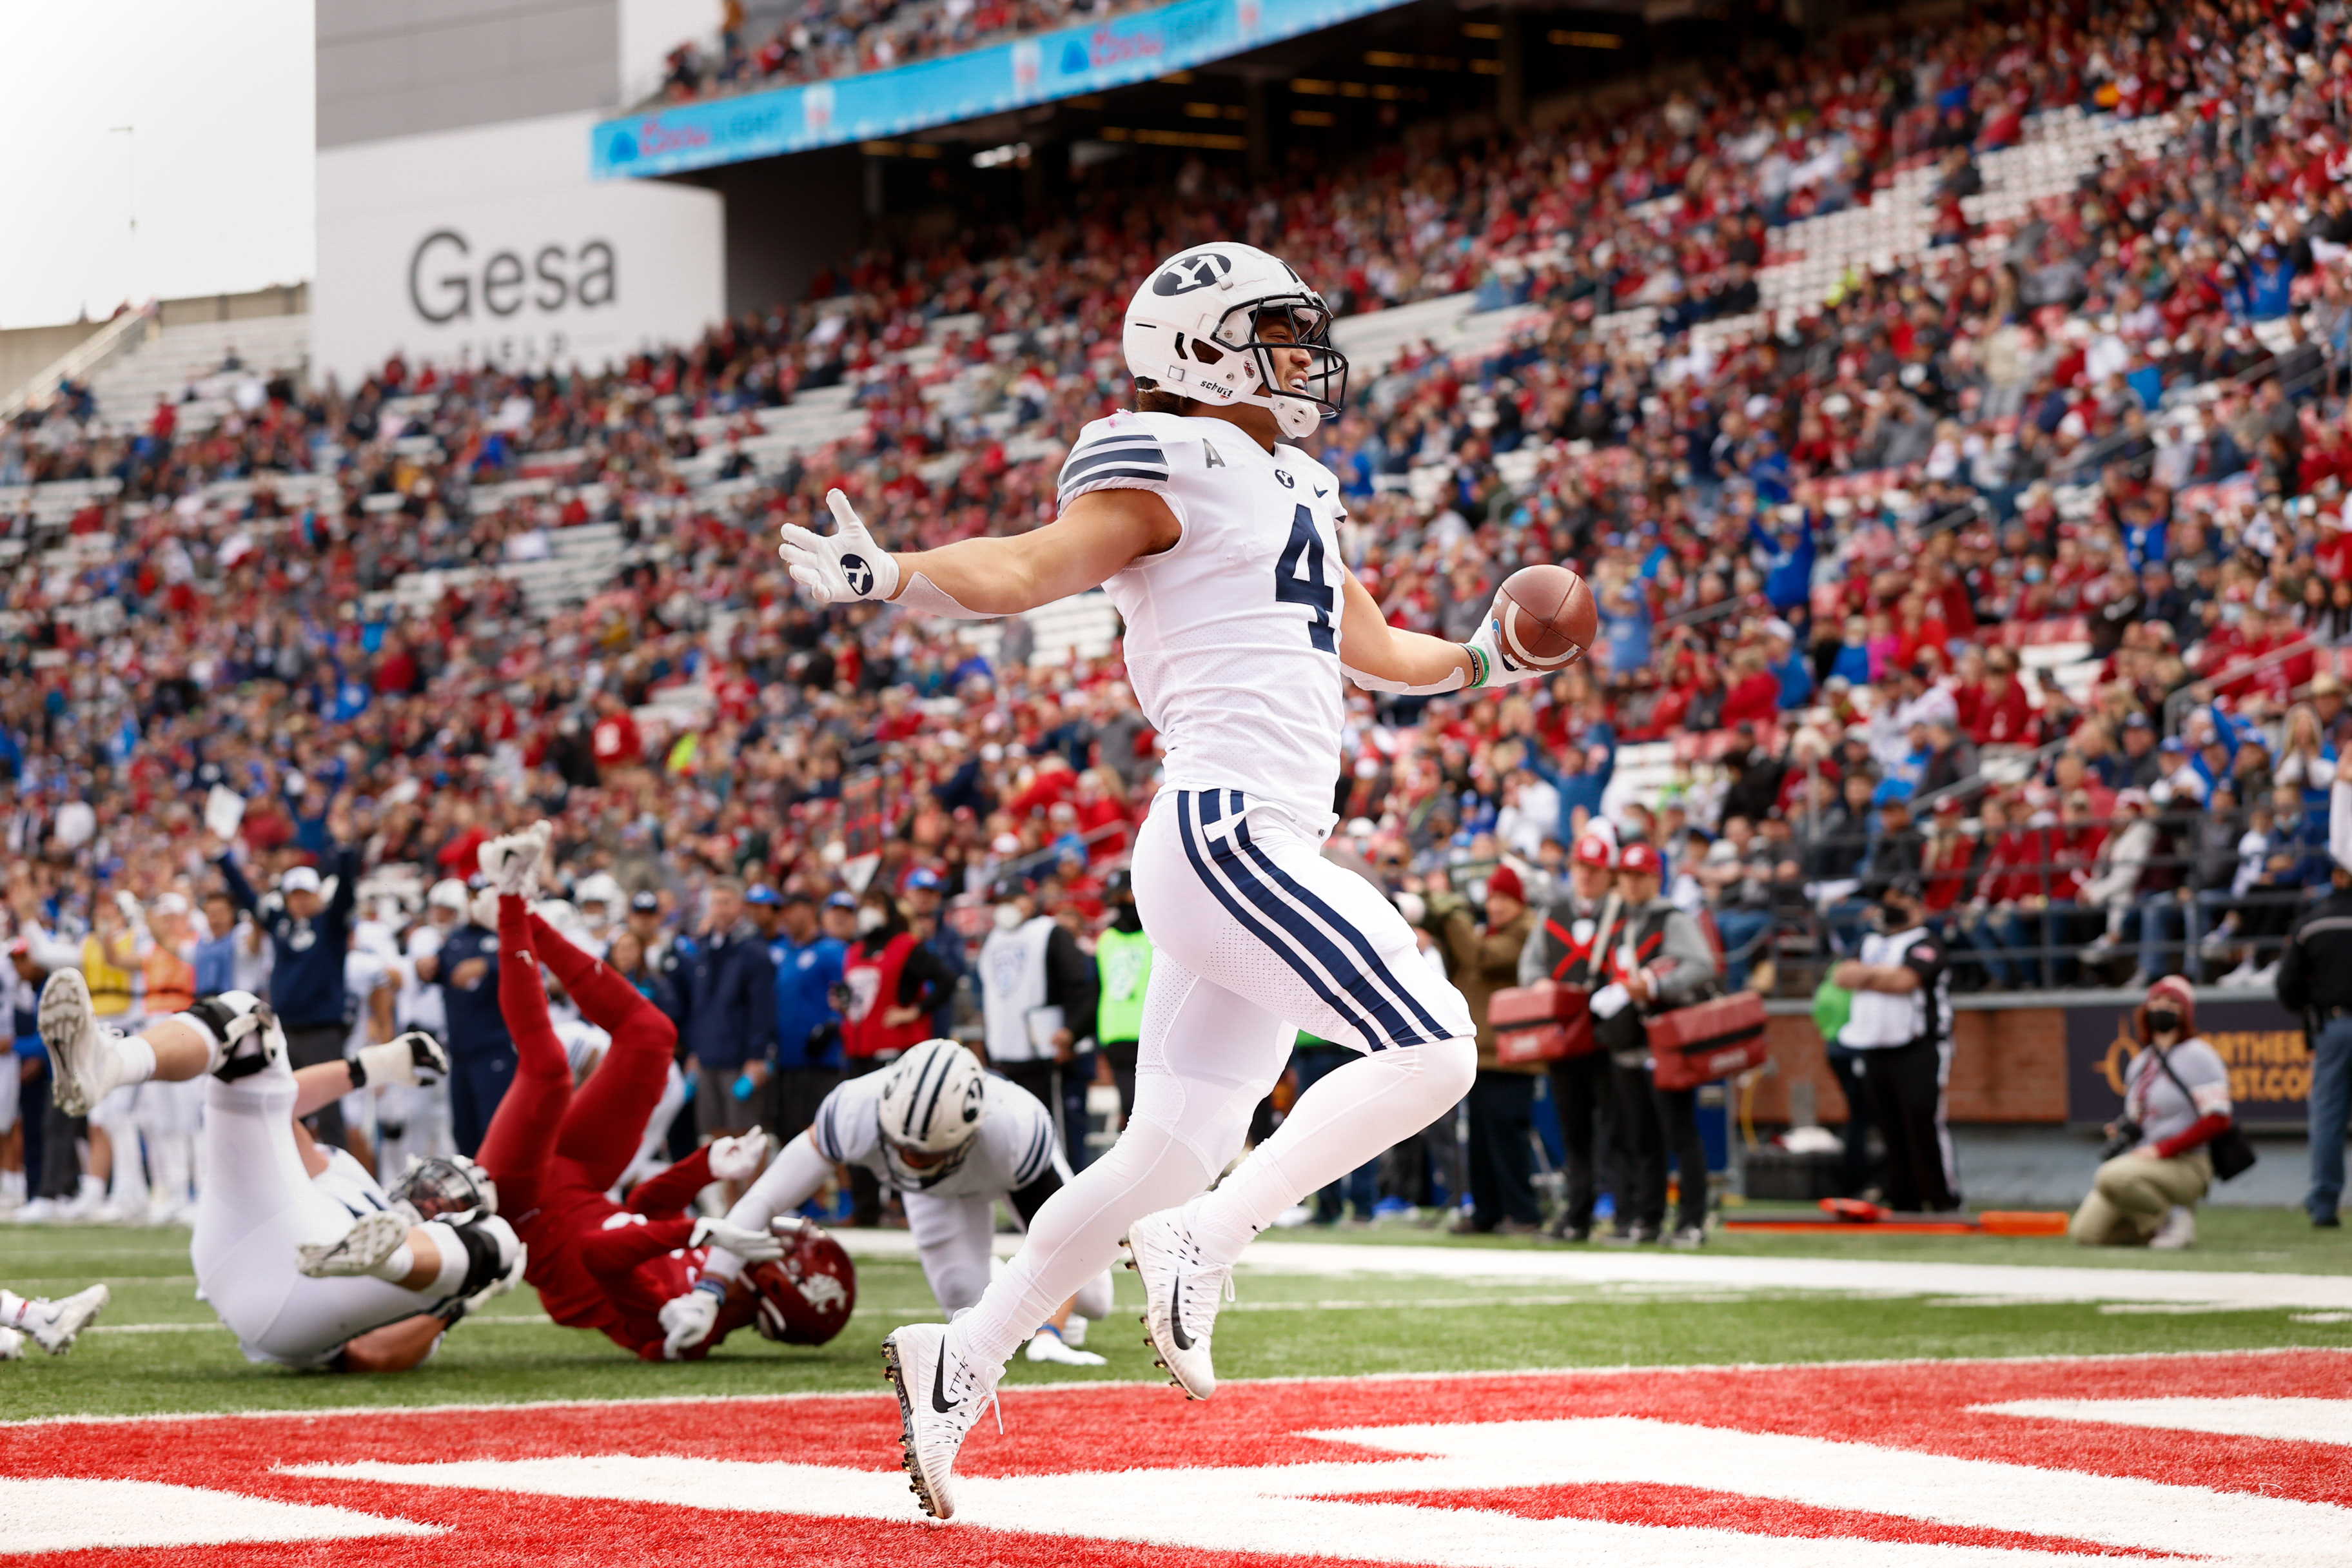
x: 953, y: 1139
x: 279, y: 1218
x: 1219, y: 543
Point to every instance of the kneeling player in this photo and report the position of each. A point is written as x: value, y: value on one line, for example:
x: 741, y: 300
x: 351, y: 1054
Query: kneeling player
x: 282, y: 1221
x: 953, y: 1138
x: 554, y: 1152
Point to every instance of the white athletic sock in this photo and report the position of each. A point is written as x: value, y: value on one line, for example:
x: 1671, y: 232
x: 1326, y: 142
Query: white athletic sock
x: 136, y: 1057
x: 454, y: 1259
x: 398, y: 1266
x: 1348, y: 1117
x: 1076, y: 1235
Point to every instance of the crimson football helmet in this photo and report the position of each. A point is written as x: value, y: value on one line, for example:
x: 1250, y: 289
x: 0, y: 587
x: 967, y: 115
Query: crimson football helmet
x: 804, y: 1297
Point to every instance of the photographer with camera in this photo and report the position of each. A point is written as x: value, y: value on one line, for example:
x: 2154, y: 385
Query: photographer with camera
x: 2156, y: 1162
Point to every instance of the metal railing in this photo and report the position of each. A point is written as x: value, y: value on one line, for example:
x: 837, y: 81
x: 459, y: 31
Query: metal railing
x: 84, y: 360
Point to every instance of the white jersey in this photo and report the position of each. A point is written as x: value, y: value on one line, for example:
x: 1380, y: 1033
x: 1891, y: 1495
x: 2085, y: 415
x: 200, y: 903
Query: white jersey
x: 1016, y: 1141
x: 1233, y: 636
x: 347, y: 1182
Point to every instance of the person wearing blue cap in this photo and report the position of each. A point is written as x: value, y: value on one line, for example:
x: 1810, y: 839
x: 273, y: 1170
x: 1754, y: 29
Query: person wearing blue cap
x: 808, y: 1028
x: 924, y: 891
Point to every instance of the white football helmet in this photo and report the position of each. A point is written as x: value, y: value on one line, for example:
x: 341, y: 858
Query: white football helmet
x: 931, y: 1105
x: 1192, y: 331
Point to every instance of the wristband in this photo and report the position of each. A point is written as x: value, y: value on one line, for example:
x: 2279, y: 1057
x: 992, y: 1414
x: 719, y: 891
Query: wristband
x: 712, y: 1287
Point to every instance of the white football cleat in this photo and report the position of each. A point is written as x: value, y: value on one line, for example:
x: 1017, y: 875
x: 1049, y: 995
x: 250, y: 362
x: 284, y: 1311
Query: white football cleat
x: 941, y: 1394
x: 1050, y: 1348
x: 361, y: 1251
x: 52, y: 1325
x: 1182, y: 1294
x: 510, y: 864
x: 2178, y: 1232
x: 12, y: 1345
x: 82, y: 1056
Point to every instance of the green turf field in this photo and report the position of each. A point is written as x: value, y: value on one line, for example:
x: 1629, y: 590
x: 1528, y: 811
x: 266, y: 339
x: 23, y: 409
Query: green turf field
x: 143, y: 1360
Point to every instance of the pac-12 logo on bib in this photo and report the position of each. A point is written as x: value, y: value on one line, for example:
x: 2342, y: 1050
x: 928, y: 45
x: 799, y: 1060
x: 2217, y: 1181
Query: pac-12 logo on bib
x: 859, y: 575
x: 1187, y: 273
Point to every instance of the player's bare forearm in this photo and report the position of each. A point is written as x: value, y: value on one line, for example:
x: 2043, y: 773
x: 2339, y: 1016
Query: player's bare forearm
x: 1390, y: 655
x: 395, y: 1347
x: 1096, y: 536
x: 320, y: 1085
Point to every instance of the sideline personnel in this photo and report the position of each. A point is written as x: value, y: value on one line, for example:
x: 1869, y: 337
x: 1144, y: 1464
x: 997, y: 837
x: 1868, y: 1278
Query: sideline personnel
x: 2315, y: 979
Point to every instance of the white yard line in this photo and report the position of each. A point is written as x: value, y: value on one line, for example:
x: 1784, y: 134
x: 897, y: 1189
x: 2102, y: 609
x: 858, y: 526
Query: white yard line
x: 1597, y: 1266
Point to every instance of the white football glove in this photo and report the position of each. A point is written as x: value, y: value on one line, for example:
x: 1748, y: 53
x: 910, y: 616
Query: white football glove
x: 1489, y: 666
x: 751, y: 1246
x: 415, y: 1059
x: 845, y: 566
x: 687, y: 1321
x: 738, y: 1159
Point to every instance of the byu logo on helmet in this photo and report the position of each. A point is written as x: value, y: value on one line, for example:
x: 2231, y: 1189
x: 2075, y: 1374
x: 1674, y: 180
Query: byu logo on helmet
x: 1186, y: 273
x: 859, y: 575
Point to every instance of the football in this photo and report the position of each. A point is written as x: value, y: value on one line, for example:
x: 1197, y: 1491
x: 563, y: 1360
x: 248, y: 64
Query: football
x: 1548, y: 616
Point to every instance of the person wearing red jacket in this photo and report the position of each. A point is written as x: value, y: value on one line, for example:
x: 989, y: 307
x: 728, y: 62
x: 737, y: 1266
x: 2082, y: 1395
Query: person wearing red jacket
x: 555, y: 1154
x: 2176, y: 1102
x: 2010, y: 889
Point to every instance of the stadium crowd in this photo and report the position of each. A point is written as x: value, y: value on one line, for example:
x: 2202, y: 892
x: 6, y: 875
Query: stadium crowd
x: 815, y: 39
x: 1827, y: 547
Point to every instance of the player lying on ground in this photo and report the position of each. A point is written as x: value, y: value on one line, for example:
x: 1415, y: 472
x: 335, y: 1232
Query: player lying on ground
x: 554, y: 1152
x: 1219, y: 543
x: 52, y: 1325
x: 307, y: 1259
x: 953, y: 1138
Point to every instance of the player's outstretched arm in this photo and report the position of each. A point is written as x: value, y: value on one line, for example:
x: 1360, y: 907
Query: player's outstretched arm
x: 976, y: 579
x: 1382, y: 657
x: 395, y: 1347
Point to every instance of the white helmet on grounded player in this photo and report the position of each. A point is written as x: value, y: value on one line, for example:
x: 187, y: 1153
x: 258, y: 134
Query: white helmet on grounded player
x: 931, y: 1106
x: 1192, y: 329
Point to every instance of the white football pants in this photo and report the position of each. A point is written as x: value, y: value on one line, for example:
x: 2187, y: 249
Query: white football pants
x: 255, y: 1204
x: 1257, y: 936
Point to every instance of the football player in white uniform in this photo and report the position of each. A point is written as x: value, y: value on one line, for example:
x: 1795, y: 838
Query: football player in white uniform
x: 279, y: 1216
x: 953, y: 1138
x: 1218, y: 541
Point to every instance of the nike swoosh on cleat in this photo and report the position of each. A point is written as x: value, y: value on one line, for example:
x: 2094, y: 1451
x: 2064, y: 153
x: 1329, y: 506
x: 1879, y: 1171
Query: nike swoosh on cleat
x: 1176, y: 1311
x: 940, y: 1386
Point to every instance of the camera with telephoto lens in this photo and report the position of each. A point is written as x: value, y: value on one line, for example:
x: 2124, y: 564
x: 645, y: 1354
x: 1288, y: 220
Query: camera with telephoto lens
x: 2122, y: 1141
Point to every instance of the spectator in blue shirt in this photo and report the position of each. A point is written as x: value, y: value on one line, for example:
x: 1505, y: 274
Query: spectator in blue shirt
x: 308, y: 920
x: 481, y: 1051
x: 925, y: 890
x: 1580, y: 779
x: 1787, y: 555
x: 215, y: 956
x: 729, y: 987
x: 808, y: 1029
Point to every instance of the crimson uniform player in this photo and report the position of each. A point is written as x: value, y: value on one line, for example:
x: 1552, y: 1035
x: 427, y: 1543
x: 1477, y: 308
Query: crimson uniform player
x: 598, y: 1264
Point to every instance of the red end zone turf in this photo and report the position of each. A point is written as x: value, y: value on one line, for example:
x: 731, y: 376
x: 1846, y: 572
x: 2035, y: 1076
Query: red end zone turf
x: 1872, y: 1464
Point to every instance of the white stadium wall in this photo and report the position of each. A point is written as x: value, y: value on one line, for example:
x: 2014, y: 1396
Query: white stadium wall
x: 490, y: 245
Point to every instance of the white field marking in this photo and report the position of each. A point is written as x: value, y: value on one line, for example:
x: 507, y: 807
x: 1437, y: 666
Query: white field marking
x: 2175, y: 1309
x: 1116, y: 1384
x: 526, y: 1320
x: 2293, y: 1420
x: 2319, y: 1317
x: 1688, y: 1270
x: 61, y: 1513
x: 1303, y: 1510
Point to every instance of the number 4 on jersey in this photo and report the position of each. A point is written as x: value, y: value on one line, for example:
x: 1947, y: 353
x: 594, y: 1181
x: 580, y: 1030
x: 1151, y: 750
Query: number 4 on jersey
x: 1313, y: 590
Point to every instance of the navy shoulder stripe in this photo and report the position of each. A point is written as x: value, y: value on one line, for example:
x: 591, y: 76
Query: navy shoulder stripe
x: 1081, y: 482
x: 1141, y: 454
x: 1041, y: 1151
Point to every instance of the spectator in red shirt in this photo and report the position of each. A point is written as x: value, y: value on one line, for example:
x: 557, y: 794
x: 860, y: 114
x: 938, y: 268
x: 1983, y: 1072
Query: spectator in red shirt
x: 2009, y: 890
x: 2002, y: 717
x: 616, y: 743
